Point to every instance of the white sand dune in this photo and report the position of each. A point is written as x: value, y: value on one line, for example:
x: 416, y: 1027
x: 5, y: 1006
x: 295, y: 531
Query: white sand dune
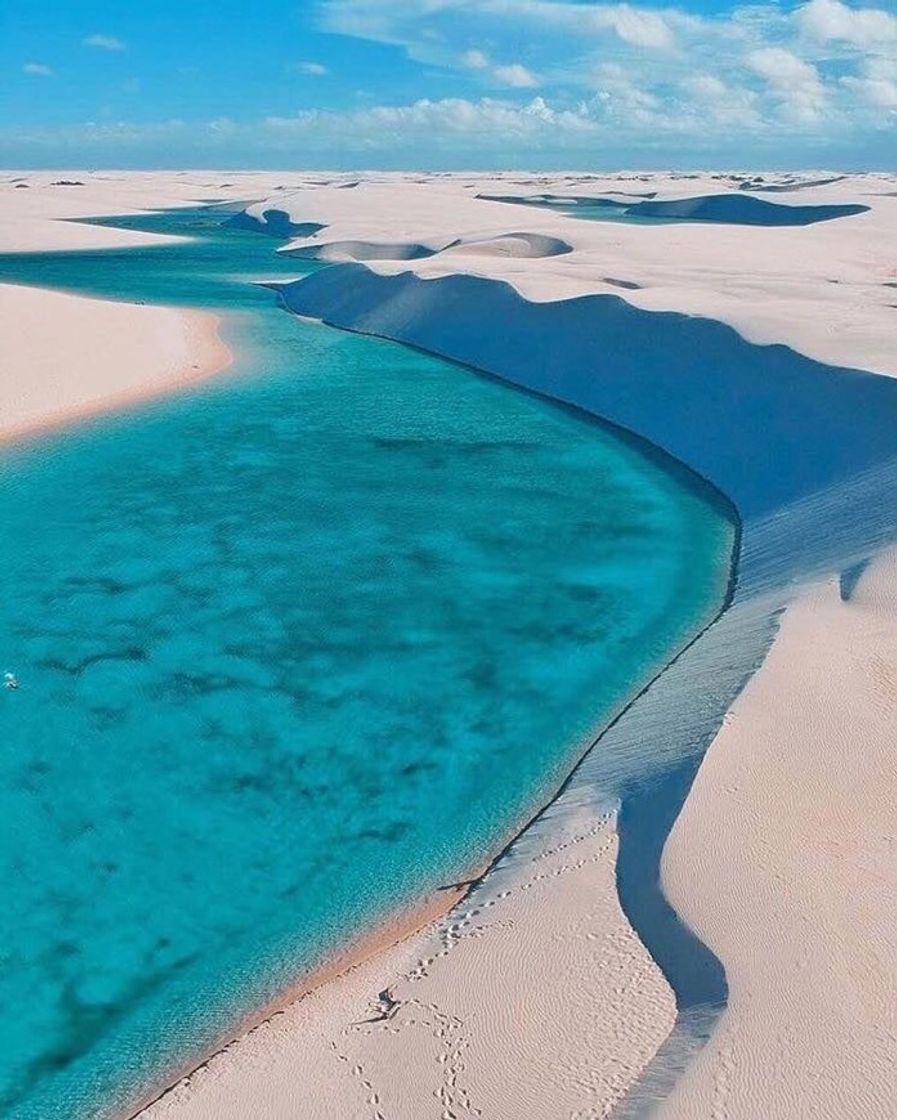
x: 784, y: 860
x: 821, y: 289
x: 66, y: 356
x: 517, y: 245
x: 336, y: 251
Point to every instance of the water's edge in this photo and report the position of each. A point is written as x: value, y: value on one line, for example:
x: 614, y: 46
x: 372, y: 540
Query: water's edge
x: 648, y: 811
x: 685, y: 367
x: 372, y: 940
x: 644, y: 895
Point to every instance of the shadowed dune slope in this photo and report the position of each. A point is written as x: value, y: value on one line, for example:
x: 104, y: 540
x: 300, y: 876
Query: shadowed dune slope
x: 742, y: 210
x: 730, y: 209
x: 276, y: 223
x: 518, y: 245
x: 693, y: 386
x: 360, y: 251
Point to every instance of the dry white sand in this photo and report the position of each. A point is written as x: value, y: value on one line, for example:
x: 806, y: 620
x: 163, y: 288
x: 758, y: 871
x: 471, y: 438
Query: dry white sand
x: 784, y: 860
x: 37, y: 213
x: 67, y: 356
x: 822, y: 289
x: 533, y: 999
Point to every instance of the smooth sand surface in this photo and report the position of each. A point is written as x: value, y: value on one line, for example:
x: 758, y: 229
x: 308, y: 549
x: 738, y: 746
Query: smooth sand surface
x: 37, y: 212
x: 67, y: 357
x: 822, y: 289
x: 784, y: 860
x: 533, y: 999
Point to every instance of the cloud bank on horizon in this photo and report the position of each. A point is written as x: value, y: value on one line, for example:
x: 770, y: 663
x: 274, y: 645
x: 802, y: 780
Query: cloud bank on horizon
x: 453, y: 83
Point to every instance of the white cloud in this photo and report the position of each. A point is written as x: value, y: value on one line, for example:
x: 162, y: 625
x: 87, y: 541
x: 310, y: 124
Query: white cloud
x: 446, y: 125
x: 406, y: 22
x: 832, y: 21
x: 874, y: 91
x: 615, y: 85
x: 710, y: 101
x: 881, y: 67
x: 758, y: 64
x: 104, y: 42
x: 751, y: 72
x: 515, y: 75
x: 39, y: 69
x: 313, y: 69
x: 782, y: 69
x: 475, y: 60
x: 794, y: 81
x: 440, y: 124
x: 610, y: 74
x: 622, y: 122
x: 704, y: 87
x: 635, y: 26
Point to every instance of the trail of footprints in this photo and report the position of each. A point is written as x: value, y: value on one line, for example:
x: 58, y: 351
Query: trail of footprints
x: 719, y: 1108
x: 452, y: 1096
x: 373, y: 1098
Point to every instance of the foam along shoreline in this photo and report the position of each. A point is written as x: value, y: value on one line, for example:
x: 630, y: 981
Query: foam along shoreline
x: 99, y: 356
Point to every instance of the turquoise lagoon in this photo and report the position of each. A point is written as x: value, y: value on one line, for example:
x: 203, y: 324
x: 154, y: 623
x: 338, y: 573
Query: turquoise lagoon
x: 294, y: 648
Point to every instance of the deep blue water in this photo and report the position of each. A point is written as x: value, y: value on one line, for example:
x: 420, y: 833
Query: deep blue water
x: 294, y: 648
x: 737, y: 209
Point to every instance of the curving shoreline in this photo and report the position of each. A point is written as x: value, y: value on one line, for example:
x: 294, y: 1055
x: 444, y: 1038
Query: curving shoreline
x: 441, y: 901
x: 830, y: 530
x: 776, y: 563
x: 226, y: 1063
x: 100, y: 357
x: 367, y: 947
x: 400, y: 951
x: 370, y: 945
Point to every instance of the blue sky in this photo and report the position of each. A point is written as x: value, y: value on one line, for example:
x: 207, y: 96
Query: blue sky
x: 448, y: 84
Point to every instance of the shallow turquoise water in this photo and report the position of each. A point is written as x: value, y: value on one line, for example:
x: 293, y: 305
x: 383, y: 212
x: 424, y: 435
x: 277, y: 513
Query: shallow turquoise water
x: 293, y: 648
